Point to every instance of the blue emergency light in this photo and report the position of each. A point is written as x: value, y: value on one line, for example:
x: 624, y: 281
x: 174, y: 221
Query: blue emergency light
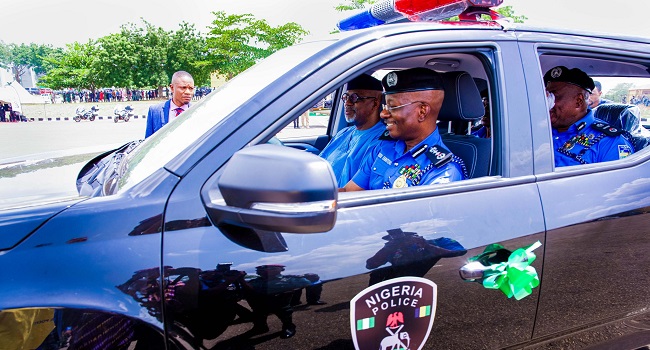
x: 387, y: 11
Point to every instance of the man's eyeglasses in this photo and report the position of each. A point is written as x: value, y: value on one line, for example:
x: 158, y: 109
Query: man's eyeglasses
x: 390, y: 109
x: 354, y: 98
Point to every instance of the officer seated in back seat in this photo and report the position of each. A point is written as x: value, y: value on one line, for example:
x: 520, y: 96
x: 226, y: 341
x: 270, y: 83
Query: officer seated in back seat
x: 578, y: 137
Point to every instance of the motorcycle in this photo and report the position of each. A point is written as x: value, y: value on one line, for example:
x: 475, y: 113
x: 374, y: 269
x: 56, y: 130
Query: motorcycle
x: 122, y: 113
x: 84, y: 114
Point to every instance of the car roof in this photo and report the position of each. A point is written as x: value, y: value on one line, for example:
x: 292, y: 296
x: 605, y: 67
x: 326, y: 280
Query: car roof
x: 522, y: 32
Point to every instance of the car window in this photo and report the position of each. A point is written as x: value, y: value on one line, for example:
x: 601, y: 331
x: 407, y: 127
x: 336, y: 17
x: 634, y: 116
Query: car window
x: 311, y: 122
x: 163, y: 146
x: 471, y: 139
x: 619, y: 99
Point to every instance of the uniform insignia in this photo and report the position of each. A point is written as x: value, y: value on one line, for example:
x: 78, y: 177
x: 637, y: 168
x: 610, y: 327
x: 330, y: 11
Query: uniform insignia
x: 400, y: 182
x: 568, y: 145
x: 391, y: 79
x: 419, y: 151
x: 394, y: 314
x: 386, y: 136
x: 624, y: 151
x: 556, y: 72
x: 582, y: 126
x: 606, y: 129
x: 384, y: 158
x: 439, y: 155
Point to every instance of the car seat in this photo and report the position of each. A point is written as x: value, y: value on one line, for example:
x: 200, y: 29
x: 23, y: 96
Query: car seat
x: 463, y: 104
x: 625, y: 117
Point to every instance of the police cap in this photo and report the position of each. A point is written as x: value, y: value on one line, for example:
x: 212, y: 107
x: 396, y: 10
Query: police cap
x: 365, y: 82
x: 572, y: 76
x: 409, y: 80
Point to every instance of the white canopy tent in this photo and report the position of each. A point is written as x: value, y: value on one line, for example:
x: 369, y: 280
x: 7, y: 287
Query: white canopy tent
x: 10, y: 97
x: 20, y: 94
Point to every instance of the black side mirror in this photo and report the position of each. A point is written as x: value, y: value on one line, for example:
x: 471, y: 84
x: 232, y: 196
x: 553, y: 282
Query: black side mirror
x: 275, y: 188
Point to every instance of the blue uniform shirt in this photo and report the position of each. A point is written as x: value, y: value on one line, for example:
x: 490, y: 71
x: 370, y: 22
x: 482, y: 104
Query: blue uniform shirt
x: 589, y: 140
x: 348, y: 148
x: 480, y: 132
x: 429, y: 162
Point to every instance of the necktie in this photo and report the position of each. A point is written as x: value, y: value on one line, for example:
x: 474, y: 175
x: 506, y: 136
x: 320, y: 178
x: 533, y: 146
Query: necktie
x: 178, y: 110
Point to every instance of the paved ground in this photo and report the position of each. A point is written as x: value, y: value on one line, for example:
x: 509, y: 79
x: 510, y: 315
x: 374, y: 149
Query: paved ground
x: 28, y: 140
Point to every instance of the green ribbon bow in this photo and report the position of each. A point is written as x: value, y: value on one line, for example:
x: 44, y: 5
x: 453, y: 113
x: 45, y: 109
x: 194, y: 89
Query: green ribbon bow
x: 515, y: 277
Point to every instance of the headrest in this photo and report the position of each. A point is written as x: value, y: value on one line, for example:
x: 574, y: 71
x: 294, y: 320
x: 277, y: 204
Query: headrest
x: 621, y: 116
x: 462, y: 99
x: 482, y: 86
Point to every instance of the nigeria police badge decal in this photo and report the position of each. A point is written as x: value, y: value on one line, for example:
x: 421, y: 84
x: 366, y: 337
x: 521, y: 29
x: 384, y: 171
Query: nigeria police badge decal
x: 393, y: 315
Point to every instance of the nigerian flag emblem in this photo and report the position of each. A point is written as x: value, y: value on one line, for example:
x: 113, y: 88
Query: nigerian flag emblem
x: 396, y: 314
x: 365, y: 323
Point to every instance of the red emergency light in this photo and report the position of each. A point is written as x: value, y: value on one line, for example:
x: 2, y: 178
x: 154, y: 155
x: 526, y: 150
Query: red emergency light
x: 387, y: 11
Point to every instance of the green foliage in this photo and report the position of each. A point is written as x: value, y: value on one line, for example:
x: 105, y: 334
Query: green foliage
x: 143, y: 56
x: 508, y: 12
x: 5, y: 55
x: 354, y: 5
x: 619, y: 91
x: 236, y: 42
x: 146, y: 56
x: 115, y: 60
x: 149, y: 46
x: 188, y: 51
x: 23, y: 57
x: 73, y: 67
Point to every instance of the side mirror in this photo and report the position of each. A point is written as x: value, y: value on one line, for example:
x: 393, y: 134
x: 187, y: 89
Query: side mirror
x: 275, y: 188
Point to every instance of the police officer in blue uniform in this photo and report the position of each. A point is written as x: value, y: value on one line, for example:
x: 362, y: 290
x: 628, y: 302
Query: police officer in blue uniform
x: 595, y: 98
x: 350, y: 145
x: 578, y: 137
x: 411, y: 152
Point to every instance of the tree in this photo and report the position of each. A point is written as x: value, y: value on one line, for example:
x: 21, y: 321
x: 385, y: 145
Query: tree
x: 236, y: 42
x: 73, y: 67
x: 115, y: 60
x: 20, y: 58
x: 619, y: 91
x: 188, y: 51
x: 508, y: 12
x: 354, y: 5
x: 150, y: 45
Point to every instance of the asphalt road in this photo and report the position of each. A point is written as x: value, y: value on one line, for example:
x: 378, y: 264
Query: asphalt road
x: 18, y: 140
x: 45, y: 139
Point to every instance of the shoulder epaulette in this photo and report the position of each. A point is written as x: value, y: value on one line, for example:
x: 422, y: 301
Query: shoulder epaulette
x: 439, y: 155
x: 606, y: 129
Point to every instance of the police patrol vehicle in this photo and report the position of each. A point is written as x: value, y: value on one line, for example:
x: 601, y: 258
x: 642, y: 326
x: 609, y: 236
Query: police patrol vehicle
x: 165, y: 242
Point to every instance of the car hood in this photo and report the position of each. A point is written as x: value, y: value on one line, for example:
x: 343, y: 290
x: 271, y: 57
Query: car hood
x: 40, y: 179
x: 34, y: 190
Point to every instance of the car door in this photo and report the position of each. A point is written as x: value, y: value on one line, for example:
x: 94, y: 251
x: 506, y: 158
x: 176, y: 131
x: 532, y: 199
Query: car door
x: 348, y: 287
x: 596, y: 214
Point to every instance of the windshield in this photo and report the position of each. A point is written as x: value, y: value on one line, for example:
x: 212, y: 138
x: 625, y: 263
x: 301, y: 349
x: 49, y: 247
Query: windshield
x: 178, y: 134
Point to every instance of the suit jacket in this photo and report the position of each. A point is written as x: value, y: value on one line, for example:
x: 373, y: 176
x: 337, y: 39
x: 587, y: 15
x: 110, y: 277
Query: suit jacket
x: 157, y: 117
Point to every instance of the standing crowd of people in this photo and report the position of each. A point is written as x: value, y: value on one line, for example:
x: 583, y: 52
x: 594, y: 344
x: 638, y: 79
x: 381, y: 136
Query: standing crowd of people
x: 120, y: 95
x: 643, y: 100
x: 7, y: 114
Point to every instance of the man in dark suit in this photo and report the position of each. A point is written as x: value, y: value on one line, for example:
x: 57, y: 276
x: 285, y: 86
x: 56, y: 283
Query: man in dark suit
x: 182, y: 91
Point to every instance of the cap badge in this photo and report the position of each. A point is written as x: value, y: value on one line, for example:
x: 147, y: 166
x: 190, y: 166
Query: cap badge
x: 391, y: 79
x: 556, y: 72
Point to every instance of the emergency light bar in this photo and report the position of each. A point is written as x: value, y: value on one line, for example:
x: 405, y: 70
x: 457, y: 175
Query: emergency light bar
x: 387, y: 11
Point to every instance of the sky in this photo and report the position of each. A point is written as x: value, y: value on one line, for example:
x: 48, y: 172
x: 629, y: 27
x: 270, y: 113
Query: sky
x: 60, y: 22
